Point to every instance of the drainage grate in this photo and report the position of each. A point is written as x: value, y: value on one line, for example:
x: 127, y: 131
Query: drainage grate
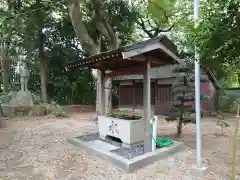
x: 125, y: 152
x: 130, y: 153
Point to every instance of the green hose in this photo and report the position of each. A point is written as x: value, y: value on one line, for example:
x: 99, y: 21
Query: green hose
x: 161, y: 142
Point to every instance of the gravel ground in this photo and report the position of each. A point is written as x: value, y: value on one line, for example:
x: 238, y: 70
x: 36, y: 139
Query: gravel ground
x: 130, y: 153
x: 36, y: 149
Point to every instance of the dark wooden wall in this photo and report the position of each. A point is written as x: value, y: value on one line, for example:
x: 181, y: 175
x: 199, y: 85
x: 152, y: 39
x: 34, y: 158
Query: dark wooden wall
x: 162, y: 96
x: 132, y: 95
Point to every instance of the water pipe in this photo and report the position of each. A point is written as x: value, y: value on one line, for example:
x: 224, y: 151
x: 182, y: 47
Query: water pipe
x: 154, y: 133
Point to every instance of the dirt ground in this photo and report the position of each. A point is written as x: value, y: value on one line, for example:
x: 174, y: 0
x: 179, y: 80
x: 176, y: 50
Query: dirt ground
x: 36, y: 149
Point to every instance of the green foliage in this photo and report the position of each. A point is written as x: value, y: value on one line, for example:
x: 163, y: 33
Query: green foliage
x: 5, y: 98
x: 183, y: 89
x: 121, y: 16
x: 161, y: 10
x: 216, y: 38
x: 222, y: 124
x: 36, y: 99
x: 124, y: 116
x: 68, y: 88
x: 171, y: 118
x: 56, y: 110
x: 3, y: 17
x: 228, y: 102
x: 61, y: 47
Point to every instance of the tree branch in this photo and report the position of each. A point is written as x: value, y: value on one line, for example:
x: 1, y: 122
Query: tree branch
x: 90, y: 46
x: 103, y: 25
x: 149, y: 22
x: 157, y: 31
x: 140, y: 22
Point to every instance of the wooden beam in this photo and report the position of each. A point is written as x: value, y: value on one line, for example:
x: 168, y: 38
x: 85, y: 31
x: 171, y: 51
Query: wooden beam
x: 137, y: 58
x: 155, y: 61
x: 161, y: 60
x: 122, y: 73
x: 128, y: 71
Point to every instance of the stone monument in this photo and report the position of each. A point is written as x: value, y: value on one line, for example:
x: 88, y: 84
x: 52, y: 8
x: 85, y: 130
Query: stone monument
x: 24, y: 97
x: 22, y: 104
x: 24, y: 74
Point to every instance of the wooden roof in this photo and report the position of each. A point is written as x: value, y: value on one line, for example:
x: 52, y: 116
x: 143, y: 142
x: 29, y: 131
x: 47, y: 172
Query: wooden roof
x: 155, y: 73
x: 164, y: 73
x: 160, y: 51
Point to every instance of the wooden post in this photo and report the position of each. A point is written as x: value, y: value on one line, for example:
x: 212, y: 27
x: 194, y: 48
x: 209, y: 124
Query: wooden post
x: 101, y: 93
x: 134, y: 98
x: 97, y: 92
x: 147, y: 107
x: 108, y: 94
x: 155, y: 95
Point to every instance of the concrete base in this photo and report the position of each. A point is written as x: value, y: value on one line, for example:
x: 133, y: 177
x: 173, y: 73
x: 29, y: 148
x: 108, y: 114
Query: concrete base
x: 103, y: 150
x: 199, y: 172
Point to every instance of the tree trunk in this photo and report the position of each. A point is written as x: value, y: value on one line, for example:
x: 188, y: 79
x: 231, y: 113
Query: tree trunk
x: 238, y: 78
x: 179, y: 127
x: 43, y: 77
x: 90, y: 46
x: 180, y: 120
x: 41, y: 56
x: 5, y: 74
x: 42, y: 68
x: 5, y: 65
x: 87, y: 42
